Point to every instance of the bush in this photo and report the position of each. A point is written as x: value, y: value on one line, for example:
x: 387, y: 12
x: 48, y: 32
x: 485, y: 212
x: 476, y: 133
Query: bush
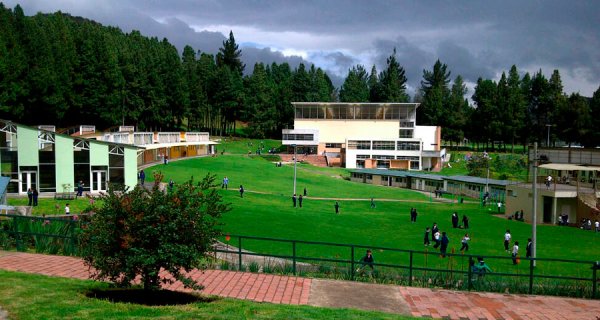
x: 137, y: 232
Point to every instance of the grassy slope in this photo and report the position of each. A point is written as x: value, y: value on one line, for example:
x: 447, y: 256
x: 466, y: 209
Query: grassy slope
x: 26, y: 296
x: 272, y: 215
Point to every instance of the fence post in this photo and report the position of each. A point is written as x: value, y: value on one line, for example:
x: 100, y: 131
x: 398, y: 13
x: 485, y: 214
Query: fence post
x: 294, y: 257
x: 594, y: 279
x: 410, y: 269
x: 470, y: 274
x: 352, y: 263
x: 240, y: 253
x: 531, y: 265
x: 16, y: 233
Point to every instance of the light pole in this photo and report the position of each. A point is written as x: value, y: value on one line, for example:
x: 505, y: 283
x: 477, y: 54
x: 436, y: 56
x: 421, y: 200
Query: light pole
x: 548, y: 138
x: 294, y: 168
x: 534, y: 215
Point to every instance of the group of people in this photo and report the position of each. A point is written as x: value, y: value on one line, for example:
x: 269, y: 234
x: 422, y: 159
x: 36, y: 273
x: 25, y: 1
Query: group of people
x: 586, y: 224
x: 514, y: 251
x: 32, y: 196
x: 563, y: 219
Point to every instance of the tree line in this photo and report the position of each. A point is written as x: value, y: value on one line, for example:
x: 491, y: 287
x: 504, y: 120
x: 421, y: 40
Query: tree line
x: 64, y: 70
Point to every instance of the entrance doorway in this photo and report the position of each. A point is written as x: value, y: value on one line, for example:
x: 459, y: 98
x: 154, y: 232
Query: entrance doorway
x: 98, y: 180
x: 28, y: 181
x: 548, y: 210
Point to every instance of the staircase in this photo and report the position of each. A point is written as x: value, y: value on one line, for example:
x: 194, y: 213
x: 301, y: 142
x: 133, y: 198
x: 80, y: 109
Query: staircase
x: 590, y: 206
x: 313, y: 159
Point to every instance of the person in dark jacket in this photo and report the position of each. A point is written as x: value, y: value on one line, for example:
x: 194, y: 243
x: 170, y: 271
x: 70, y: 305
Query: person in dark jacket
x: 528, y: 248
x: 444, y: 244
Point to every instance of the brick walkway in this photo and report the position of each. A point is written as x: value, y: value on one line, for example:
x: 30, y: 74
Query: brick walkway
x: 418, y: 302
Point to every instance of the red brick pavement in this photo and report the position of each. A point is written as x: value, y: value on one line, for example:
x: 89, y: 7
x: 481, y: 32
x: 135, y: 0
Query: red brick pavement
x: 240, y: 285
x: 422, y: 302
x: 425, y: 302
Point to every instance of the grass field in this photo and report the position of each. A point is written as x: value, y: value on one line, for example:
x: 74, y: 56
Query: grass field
x: 26, y: 296
x: 266, y: 210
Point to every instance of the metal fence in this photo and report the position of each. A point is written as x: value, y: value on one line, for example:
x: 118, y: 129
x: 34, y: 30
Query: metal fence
x: 42, y: 234
x: 426, y: 268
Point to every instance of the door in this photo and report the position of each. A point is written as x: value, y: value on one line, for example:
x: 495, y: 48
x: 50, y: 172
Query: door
x: 547, y: 210
x: 98, y: 180
x: 28, y: 181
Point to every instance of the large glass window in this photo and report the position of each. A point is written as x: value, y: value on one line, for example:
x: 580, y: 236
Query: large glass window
x: 405, y: 133
x: 359, y: 144
x: 392, y: 112
x: 298, y: 136
x: 409, y: 145
x: 116, y: 170
x: 383, y: 145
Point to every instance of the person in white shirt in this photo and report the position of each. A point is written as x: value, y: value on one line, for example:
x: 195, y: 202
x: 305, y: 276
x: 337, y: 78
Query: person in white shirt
x: 465, y: 243
x: 507, y: 238
x: 515, y: 252
x: 548, y: 181
x: 67, y: 209
x: 597, y: 226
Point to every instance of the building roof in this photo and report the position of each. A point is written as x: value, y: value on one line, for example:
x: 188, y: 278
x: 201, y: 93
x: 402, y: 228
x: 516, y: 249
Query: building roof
x: 402, y: 174
x: 569, y: 167
x: 3, y: 184
x: 357, y: 103
x: 478, y: 180
x: 399, y: 173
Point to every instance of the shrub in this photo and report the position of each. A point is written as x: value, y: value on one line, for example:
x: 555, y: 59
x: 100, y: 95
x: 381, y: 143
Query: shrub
x: 137, y: 232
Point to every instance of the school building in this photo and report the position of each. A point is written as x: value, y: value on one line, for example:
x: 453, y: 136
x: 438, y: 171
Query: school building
x: 462, y: 186
x: 572, y: 190
x: 53, y: 162
x: 365, y: 135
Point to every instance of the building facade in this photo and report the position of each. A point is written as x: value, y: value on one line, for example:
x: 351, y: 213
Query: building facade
x: 366, y: 135
x: 41, y: 159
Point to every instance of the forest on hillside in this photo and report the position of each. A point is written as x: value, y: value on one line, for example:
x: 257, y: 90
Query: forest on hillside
x: 66, y: 71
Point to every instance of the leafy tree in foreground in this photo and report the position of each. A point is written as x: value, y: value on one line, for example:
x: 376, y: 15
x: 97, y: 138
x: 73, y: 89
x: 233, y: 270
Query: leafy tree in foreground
x: 138, y: 232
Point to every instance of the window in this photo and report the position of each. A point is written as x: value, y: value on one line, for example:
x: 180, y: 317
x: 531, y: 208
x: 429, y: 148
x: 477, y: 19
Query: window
x: 297, y: 137
x: 406, y: 133
x: 409, y: 145
x: 360, y: 145
x: 392, y: 112
x: 414, y: 165
x: 407, y: 124
x: 383, y: 162
x: 383, y: 145
x: 333, y: 145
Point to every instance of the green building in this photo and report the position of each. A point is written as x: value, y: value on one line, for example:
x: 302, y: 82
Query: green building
x: 52, y: 162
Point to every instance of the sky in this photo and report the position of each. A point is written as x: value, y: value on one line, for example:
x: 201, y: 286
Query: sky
x: 474, y: 38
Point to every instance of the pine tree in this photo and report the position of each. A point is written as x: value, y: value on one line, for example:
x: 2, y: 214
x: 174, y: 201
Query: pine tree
x: 393, y: 81
x: 356, y: 86
x: 229, y: 55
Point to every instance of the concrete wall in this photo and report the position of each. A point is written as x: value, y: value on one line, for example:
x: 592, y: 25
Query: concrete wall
x: 98, y: 154
x: 28, y: 152
x: 130, y: 167
x: 336, y: 131
x: 64, y: 162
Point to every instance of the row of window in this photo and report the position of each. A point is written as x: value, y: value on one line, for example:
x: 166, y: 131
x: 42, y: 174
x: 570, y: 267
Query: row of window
x: 360, y: 112
x: 384, y: 145
x: 298, y: 136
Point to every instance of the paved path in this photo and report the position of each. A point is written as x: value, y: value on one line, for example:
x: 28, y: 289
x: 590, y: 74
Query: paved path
x: 418, y: 302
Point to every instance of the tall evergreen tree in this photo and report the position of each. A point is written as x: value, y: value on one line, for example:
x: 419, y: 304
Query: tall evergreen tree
x: 356, y: 86
x: 393, y: 82
x: 458, y: 112
x: 229, y: 55
x: 435, y: 88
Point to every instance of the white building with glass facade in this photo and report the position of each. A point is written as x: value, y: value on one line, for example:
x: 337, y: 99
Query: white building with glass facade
x: 366, y: 135
x: 51, y: 162
x: 39, y: 158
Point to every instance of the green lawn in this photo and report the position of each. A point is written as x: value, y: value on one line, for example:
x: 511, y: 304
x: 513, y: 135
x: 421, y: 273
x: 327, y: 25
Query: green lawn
x: 242, y: 146
x: 266, y: 210
x: 27, y: 296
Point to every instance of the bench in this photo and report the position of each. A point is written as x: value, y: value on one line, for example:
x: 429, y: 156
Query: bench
x: 65, y: 196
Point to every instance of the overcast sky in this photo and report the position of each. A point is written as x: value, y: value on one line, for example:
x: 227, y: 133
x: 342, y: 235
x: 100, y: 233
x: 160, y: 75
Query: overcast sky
x: 474, y: 38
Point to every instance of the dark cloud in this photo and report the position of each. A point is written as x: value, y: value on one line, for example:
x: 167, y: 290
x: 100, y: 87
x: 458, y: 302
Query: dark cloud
x: 475, y: 39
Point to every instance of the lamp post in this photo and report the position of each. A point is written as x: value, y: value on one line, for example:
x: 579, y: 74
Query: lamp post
x: 294, y: 168
x: 534, y: 215
x: 548, y: 137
